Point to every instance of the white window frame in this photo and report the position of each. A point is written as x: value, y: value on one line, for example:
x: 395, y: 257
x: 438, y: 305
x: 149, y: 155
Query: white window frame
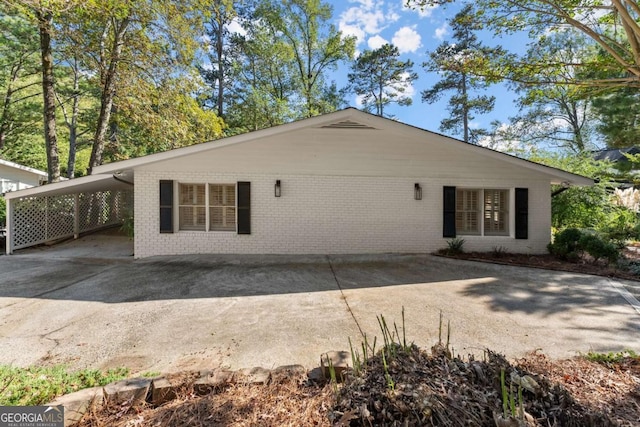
x: 207, y: 206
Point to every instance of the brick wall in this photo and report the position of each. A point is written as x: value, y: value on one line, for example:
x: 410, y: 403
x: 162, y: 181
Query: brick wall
x: 334, y: 214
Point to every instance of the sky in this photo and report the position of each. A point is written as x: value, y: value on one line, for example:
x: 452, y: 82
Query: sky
x: 415, y: 33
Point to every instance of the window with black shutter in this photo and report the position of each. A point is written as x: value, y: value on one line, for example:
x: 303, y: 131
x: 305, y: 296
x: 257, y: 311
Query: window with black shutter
x: 166, y: 206
x: 522, y: 213
x: 449, y: 212
x: 244, y: 207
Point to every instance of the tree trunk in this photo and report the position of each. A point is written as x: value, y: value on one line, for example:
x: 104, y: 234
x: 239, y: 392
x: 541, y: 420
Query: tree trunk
x: 108, y: 94
x: 45, y: 19
x: 465, y: 109
x: 221, y: 76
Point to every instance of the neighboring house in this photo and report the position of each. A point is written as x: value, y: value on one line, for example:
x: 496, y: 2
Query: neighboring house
x: 344, y: 182
x: 14, y: 176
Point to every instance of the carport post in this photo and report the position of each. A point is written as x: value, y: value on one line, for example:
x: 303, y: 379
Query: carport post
x: 9, y: 235
x: 76, y: 215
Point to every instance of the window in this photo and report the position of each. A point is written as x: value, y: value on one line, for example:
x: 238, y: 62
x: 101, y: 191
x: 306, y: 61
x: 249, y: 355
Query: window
x: 494, y: 212
x: 222, y: 207
x: 207, y: 207
x: 467, y: 212
x: 192, y: 207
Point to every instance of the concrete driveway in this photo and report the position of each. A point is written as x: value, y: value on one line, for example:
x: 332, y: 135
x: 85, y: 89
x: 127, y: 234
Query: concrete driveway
x: 89, y: 304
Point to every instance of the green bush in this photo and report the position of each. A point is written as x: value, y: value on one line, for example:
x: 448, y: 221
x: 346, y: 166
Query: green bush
x: 598, y: 248
x: 565, y: 244
x: 571, y: 244
x: 3, y: 212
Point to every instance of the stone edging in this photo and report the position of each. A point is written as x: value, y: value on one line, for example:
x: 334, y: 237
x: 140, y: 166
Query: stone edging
x: 156, y: 391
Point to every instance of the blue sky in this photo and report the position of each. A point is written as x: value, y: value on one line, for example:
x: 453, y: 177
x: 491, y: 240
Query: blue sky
x: 415, y: 33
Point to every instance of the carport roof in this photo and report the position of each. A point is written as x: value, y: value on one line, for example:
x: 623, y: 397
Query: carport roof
x: 87, y: 184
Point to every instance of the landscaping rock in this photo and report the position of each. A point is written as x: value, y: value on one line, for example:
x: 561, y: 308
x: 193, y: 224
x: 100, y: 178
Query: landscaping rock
x: 162, y: 391
x: 255, y: 375
x: 76, y: 404
x: 134, y: 390
x: 287, y: 371
x: 209, y: 380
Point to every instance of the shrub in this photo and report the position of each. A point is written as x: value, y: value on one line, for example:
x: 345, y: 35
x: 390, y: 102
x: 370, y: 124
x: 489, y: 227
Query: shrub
x: 3, y: 211
x: 571, y: 243
x: 454, y: 246
x: 565, y: 244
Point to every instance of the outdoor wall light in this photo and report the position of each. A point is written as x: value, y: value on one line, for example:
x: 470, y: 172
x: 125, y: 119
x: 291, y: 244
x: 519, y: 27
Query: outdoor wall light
x: 417, y: 191
x: 278, y: 188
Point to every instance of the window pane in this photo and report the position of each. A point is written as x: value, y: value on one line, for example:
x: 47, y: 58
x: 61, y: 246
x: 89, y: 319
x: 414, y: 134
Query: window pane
x: 467, y: 212
x: 192, y: 218
x: 192, y: 194
x: 496, y: 212
x: 222, y: 207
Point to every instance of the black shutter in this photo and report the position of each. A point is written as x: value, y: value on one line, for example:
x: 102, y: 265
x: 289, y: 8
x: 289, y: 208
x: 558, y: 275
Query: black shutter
x: 449, y: 212
x: 244, y: 208
x: 522, y: 213
x: 166, y: 206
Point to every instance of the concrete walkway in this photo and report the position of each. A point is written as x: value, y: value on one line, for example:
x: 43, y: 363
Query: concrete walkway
x: 89, y: 304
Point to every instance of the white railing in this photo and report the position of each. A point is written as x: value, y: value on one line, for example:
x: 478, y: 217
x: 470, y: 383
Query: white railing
x: 41, y: 219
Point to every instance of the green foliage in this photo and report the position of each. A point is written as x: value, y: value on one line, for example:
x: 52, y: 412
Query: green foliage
x: 598, y: 248
x: 619, y: 118
x: 3, y: 212
x: 611, y: 358
x: 455, y: 246
x: 571, y: 244
x: 464, y: 67
x: 39, y: 385
x: 381, y: 78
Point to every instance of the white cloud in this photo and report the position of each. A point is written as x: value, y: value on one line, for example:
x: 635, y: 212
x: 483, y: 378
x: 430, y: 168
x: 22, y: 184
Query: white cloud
x: 423, y: 12
x: 376, y: 42
x: 236, y: 27
x: 367, y: 18
x: 407, y: 39
x: 441, y: 31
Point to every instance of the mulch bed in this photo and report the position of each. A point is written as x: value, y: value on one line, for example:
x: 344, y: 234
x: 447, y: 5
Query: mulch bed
x: 418, y: 388
x: 551, y: 262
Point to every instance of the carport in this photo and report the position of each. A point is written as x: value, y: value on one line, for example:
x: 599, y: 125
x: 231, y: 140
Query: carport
x: 66, y: 209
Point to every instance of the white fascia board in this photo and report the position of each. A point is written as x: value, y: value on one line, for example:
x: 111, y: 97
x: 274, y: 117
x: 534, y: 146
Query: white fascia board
x: 22, y: 167
x: 62, y: 187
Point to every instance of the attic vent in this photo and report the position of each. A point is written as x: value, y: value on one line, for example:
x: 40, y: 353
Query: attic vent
x: 347, y: 124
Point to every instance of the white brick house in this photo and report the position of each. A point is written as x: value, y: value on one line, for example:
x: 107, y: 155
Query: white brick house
x: 14, y: 176
x: 344, y: 182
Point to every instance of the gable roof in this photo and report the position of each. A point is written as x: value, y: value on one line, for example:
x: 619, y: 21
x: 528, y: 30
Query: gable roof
x: 346, y: 120
x: 119, y: 175
x: 13, y: 165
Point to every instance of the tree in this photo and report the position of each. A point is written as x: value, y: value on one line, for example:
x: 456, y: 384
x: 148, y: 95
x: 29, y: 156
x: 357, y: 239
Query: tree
x: 614, y: 26
x: 619, y: 118
x: 552, y: 112
x: 223, y: 13
x: 42, y: 13
x: 19, y: 69
x: 380, y: 78
x: 316, y: 46
x: 463, y: 66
